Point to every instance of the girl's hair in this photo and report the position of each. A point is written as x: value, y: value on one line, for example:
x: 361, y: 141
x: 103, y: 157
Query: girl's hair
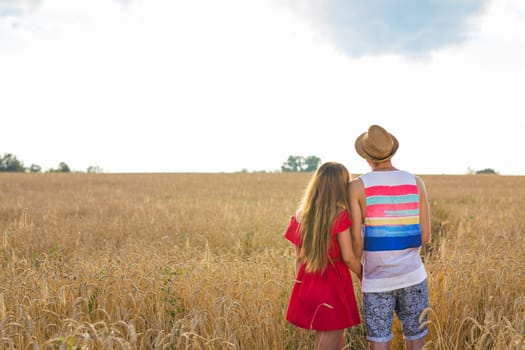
x: 326, y: 195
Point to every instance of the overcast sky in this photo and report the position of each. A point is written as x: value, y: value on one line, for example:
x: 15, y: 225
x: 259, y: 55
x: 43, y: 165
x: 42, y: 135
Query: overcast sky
x: 221, y: 86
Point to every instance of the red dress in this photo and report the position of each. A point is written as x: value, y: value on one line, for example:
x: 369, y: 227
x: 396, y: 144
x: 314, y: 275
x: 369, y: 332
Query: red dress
x: 323, y: 301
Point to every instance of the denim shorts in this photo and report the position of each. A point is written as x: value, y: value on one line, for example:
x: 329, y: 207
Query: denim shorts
x: 408, y: 303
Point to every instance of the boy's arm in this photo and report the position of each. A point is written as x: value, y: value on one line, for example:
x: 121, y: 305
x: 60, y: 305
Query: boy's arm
x: 424, y: 211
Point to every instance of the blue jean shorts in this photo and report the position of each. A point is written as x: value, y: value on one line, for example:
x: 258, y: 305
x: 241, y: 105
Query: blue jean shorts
x: 408, y: 303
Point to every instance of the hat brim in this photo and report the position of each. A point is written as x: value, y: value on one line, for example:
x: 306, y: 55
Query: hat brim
x: 361, y: 150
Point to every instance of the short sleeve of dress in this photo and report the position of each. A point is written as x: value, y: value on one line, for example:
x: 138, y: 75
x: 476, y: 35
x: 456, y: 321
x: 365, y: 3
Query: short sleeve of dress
x: 342, y: 222
x: 293, y: 232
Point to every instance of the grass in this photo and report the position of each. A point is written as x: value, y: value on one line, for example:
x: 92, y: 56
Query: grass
x: 197, y: 261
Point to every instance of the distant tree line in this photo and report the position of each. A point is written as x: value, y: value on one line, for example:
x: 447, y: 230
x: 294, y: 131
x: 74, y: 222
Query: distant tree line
x: 486, y: 171
x: 10, y: 163
x: 301, y: 164
x: 471, y: 171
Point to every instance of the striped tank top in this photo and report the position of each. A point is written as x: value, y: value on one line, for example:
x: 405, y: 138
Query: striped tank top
x: 392, y: 233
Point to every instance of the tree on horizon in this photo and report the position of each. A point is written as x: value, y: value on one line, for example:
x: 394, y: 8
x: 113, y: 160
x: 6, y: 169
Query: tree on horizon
x: 301, y: 164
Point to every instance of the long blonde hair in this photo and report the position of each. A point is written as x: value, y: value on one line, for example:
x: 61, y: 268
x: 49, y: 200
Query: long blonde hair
x: 326, y: 195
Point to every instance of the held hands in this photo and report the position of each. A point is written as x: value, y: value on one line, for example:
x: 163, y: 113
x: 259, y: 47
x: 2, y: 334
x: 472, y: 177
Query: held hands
x: 360, y: 274
x: 358, y: 270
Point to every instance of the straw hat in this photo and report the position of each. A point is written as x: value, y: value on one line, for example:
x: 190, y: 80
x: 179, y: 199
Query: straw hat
x: 376, y: 144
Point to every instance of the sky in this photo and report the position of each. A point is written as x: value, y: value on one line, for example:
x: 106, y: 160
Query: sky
x: 231, y: 85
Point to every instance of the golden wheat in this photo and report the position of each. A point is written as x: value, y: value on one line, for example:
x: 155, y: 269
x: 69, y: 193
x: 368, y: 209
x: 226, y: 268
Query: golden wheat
x: 198, y: 261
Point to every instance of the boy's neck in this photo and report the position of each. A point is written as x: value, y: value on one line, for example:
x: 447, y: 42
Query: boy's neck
x: 382, y: 166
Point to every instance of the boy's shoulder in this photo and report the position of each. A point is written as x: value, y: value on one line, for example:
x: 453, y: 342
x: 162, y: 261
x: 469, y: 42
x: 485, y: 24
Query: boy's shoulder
x: 356, y: 186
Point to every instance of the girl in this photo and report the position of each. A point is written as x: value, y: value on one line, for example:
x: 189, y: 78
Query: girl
x: 323, y: 297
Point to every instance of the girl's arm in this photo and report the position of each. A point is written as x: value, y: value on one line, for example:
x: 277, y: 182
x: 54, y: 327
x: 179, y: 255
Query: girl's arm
x: 357, y: 204
x: 347, y: 252
x: 298, y: 260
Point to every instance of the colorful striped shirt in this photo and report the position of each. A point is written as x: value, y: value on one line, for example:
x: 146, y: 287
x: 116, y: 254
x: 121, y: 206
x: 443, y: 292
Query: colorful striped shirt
x: 392, y: 233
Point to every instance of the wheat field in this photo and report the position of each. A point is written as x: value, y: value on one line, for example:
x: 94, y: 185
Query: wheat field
x: 198, y: 261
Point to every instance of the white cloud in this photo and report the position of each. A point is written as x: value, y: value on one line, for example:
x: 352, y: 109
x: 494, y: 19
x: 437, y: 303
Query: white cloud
x: 376, y: 27
x: 222, y: 86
